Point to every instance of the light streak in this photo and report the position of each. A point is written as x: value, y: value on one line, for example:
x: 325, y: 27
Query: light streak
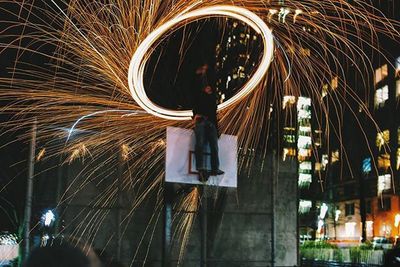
x: 139, y: 59
x: 287, y: 60
x: 127, y: 112
x: 87, y: 78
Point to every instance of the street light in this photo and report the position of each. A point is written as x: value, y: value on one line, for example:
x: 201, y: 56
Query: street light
x: 48, y: 218
x: 396, y: 222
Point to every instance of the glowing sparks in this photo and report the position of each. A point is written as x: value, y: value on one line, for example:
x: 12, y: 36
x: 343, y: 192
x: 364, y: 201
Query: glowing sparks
x: 125, y: 150
x: 87, y: 84
x: 41, y: 154
x: 78, y: 151
x: 139, y: 59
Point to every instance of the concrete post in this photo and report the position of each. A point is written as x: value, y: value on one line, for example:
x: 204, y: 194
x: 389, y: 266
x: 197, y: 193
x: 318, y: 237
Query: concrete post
x: 29, y: 189
x: 203, y: 227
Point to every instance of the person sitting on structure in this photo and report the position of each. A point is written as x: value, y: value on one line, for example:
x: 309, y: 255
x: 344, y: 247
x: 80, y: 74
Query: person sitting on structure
x: 205, y: 119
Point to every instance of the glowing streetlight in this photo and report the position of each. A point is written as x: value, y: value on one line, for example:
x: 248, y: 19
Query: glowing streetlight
x: 48, y: 218
x: 324, y: 209
x: 396, y: 222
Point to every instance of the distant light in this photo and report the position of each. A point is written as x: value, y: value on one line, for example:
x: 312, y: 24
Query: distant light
x: 337, y: 214
x: 324, y: 209
x: 320, y: 225
x: 366, y: 165
x: 397, y: 220
x: 350, y: 229
x: 304, y: 206
x: 48, y: 218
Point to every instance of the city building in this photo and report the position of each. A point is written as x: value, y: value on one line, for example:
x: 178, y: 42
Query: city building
x: 362, y: 186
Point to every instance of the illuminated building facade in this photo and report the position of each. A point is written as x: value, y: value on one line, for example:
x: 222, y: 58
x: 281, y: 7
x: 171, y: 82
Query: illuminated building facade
x: 237, y: 55
x: 298, y: 142
x: 363, y: 189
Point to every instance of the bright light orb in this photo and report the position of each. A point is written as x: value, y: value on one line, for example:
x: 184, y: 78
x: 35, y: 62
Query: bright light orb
x: 143, y: 52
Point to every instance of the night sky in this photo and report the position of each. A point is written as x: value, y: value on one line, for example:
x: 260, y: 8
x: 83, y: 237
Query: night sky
x: 168, y: 80
x: 171, y: 68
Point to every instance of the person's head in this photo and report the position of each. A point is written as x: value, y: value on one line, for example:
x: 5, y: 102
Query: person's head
x: 208, y: 90
x: 63, y: 252
x: 202, y: 69
x: 57, y: 255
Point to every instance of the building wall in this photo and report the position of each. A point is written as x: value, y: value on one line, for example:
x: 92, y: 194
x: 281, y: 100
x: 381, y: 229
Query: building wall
x: 250, y: 226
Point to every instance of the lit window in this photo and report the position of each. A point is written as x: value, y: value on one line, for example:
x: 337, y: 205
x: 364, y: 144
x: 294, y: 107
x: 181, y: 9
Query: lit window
x: 335, y: 156
x: 398, y: 159
x: 289, y: 138
x: 304, y: 154
x: 288, y: 129
x: 384, y: 183
x: 324, y: 161
x: 350, y: 229
x: 366, y: 165
x: 334, y: 83
x: 304, y: 179
x: 384, y: 161
x: 381, y: 95
x: 398, y: 88
x: 370, y: 228
x: 381, y: 73
x: 382, y: 139
x: 398, y: 136
x: 349, y: 209
x: 304, y: 141
x: 304, y: 206
x: 305, y: 166
x: 288, y: 152
x: 398, y: 67
x: 303, y: 102
x: 288, y: 100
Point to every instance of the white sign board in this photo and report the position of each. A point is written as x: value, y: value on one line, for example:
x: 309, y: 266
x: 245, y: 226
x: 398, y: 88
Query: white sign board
x: 180, y: 160
x: 8, y: 253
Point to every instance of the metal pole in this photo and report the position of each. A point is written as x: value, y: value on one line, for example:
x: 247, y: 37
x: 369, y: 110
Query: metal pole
x: 203, y: 227
x: 60, y: 180
x: 167, y: 226
x: 274, y: 174
x: 29, y: 189
x: 119, y: 210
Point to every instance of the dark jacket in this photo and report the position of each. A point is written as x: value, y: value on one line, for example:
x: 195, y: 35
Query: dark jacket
x: 205, y: 104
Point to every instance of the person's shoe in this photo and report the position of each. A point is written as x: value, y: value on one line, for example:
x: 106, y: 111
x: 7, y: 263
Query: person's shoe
x: 217, y: 172
x: 203, y: 176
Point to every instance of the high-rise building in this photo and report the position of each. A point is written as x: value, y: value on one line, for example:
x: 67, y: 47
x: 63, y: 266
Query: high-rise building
x: 362, y: 183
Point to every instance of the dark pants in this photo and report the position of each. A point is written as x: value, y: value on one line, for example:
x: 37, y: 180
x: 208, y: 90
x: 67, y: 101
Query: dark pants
x: 206, y: 132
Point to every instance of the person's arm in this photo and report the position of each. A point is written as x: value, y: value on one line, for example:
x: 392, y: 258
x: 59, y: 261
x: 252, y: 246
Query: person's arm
x: 195, y: 110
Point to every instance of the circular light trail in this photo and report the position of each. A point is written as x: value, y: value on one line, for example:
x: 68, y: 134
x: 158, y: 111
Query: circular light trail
x: 142, y: 54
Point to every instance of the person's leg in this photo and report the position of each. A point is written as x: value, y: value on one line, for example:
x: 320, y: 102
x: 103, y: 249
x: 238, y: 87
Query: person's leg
x: 199, y: 131
x: 212, y: 137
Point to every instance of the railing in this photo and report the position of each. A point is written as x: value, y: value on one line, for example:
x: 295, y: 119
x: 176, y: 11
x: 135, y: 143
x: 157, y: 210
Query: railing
x: 321, y: 263
x: 341, y: 257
